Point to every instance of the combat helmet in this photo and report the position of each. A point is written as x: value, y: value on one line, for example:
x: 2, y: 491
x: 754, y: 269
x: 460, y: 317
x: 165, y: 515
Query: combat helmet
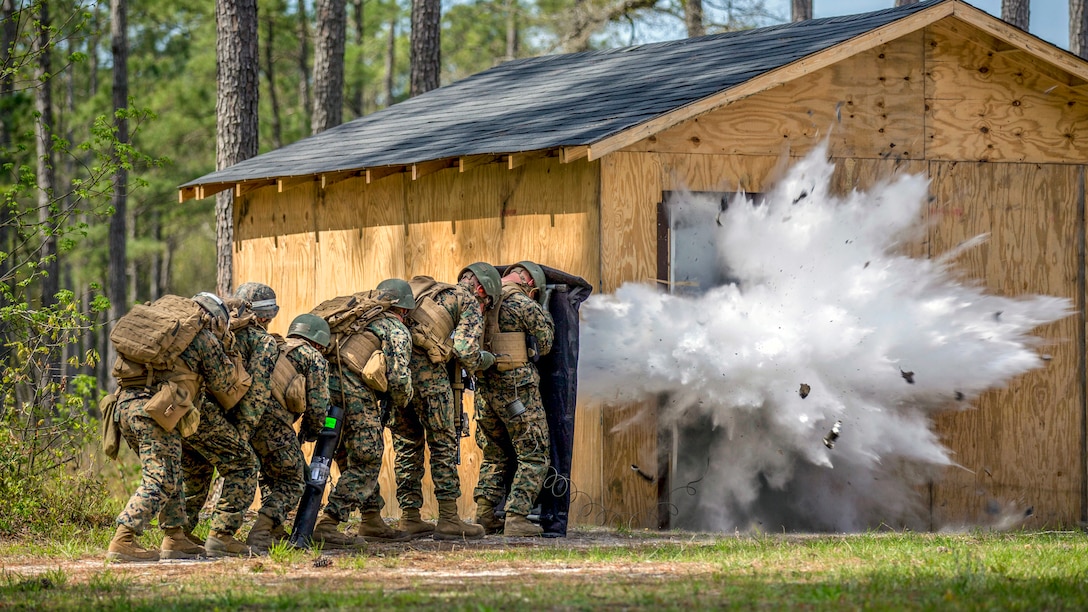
x: 311, y: 327
x: 400, y: 291
x: 535, y: 271
x: 213, y: 305
x: 261, y: 298
x: 488, y: 277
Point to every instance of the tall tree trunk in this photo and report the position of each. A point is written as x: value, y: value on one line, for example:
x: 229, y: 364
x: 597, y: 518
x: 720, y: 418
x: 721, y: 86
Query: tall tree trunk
x: 693, y: 18
x: 236, y: 116
x: 358, y: 72
x: 154, y: 273
x: 270, y: 75
x: 425, y: 58
x: 511, y: 29
x: 1078, y: 27
x: 801, y: 10
x: 43, y: 104
x: 7, y: 90
x: 117, y: 232
x: 905, y: 2
x: 1016, y: 12
x: 303, y: 59
x: 390, y: 61
x: 329, y: 65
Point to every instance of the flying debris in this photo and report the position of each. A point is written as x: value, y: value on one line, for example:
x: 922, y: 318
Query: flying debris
x: 804, y: 390
x: 959, y: 396
x: 642, y: 474
x: 829, y: 439
x: 907, y: 376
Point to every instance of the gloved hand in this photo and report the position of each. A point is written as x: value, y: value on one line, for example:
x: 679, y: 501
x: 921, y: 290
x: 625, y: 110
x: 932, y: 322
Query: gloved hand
x: 487, y: 359
x: 548, y: 289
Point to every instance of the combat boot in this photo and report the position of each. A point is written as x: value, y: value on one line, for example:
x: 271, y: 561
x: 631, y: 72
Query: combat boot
x: 485, y: 516
x: 195, y: 540
x: 279, y: 533
x: 123, y: 547
x: 223, y: 544
x: 260, y: 536
x: 519, y: 525
x: 176, y: 545
x: 414, y: 526
x: 326, y: 533
x: 373, y: 529
x: 450, y: 526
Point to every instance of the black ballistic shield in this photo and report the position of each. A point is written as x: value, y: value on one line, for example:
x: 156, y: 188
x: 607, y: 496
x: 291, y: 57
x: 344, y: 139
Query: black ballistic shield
x: 317, y: 476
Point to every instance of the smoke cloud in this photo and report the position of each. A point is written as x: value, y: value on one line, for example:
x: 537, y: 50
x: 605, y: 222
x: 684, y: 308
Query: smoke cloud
x: 803, y: 390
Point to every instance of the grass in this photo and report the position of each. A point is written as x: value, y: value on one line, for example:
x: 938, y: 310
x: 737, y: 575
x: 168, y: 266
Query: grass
x: 883, y: 571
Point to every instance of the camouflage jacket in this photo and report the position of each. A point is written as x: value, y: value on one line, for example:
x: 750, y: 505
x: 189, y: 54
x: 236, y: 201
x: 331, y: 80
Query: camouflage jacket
x: 204, y: 356
x: 397, y: 346
x: 519, y: 312
x: 468, y: 328
x: 312, y: 365
x: 259, y: 352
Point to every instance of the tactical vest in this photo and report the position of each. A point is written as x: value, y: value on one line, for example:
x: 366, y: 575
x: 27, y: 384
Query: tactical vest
x: 510, y: 348
x: 288, y: 386
x: 155, y: 334
x: 432, y: 326
x: 352, y: 345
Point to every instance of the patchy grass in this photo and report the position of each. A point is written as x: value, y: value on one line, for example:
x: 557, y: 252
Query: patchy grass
x: 591, y: 569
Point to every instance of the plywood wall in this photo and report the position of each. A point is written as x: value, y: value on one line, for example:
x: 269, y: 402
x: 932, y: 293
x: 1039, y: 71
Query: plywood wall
x: 311, y: 244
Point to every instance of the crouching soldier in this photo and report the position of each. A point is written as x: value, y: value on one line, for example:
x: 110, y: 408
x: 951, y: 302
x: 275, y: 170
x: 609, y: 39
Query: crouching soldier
x: 300, y: 385
x: 158, y: 399
x: 511, y: 414
x: 388, y: 347
x: 446, y: 327
x: 222, y: 440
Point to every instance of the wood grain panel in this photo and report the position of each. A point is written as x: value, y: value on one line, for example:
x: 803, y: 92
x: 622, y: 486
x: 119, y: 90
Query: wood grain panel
x: 631, y: 185
x: 986, y: 106
x: 1015, y: 447
x: 869, y: 105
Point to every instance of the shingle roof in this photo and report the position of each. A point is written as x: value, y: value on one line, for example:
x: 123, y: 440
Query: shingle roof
x: 557, y: 100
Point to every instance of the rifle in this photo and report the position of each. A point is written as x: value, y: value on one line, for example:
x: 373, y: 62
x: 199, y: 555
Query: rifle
x: 460, y: 417
x: 316, y: 477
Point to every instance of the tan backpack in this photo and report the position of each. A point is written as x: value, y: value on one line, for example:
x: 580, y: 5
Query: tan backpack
x: 351, y: 345
x: 288, y: 386
x: 431, y: 323
x: 155, y: 334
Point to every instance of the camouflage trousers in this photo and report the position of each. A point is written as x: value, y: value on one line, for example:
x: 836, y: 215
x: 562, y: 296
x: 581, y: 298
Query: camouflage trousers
x: 526, y: 434
x: 359, y: 454
x: 282, y: 467
x: 160, y: 490
x: 217, y: 446
x: 426, y: 419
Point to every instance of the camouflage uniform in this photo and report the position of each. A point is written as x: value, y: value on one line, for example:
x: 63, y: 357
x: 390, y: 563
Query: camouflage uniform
x: 283, y: 466
x: 527, y: 433
x: 359, y: 455
x: 223, y: 440
x: 431, y: 415
x: 160, y: 491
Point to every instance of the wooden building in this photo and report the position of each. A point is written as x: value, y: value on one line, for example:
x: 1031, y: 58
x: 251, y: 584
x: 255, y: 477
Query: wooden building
x: 565, y: 159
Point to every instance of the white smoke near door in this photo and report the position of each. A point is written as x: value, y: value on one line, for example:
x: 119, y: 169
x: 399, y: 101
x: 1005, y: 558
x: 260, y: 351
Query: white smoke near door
x: 807, y: 386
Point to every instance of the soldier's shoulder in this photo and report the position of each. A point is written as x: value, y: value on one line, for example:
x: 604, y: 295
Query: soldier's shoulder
x: 309, y: 353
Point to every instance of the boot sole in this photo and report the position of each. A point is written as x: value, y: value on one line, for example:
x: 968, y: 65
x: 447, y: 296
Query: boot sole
x: 456, y: 536
x: 177, y: 554
x: 402, y: 538
x: 225, y: 553
x: 419, y: 534
x: 117, y: 557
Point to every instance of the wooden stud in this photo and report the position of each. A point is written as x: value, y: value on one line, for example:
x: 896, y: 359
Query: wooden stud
x: 286, y: 183
x: 186, y: 193
x: 245, y: 187
x: 331, y: 178
x: 472, y: 161
x: 520, y: 159
x: 570, y: 154
x: 774, y: 78
x: 373, y: 174
x: 422, y: 169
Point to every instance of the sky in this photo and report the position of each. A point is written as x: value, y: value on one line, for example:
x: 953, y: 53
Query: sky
x: 1049, y: 18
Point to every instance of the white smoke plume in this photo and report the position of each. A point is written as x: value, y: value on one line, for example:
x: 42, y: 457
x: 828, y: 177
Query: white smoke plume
x: 827, y: 321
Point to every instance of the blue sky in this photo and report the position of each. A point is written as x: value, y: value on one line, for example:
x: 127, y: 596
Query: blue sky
x: 1049, y: 18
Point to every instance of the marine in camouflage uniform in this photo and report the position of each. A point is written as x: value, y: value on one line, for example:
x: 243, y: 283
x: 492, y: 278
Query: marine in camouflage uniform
x: 359, y: 455
x: 222, y: 443
x: 283, y: 465
x: 431, y: 418
x: 526, y: 433
x: 160, y: 492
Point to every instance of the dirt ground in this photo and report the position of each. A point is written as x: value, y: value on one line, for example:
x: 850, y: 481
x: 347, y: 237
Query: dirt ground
x: 396, y: 565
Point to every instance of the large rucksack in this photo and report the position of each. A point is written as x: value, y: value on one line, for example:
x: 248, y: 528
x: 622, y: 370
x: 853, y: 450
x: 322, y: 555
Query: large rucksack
x: 288, y: 385
x: 351, y: 344
x: 155, y: 334
x: 432, y: 325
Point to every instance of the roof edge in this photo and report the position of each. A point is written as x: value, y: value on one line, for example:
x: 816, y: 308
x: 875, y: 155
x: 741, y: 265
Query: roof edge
x: 779, y: 76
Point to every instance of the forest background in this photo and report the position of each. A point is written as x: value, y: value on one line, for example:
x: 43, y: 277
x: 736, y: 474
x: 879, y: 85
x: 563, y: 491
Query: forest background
x: 106, y: 107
